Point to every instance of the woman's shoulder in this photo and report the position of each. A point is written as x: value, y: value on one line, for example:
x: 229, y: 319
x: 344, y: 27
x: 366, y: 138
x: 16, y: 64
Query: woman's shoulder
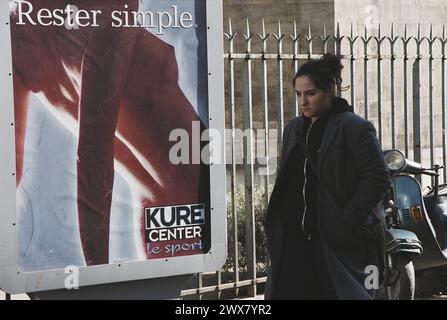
x: 355, y: 122
x: 293, y: 123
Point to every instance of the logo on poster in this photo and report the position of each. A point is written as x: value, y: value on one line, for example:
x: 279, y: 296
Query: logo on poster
x: 174, y: 230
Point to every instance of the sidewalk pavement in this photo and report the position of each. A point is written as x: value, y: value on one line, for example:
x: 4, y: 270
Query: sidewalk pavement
x: 258, y: 297
x: 25, y: 297
x: 14, y: 296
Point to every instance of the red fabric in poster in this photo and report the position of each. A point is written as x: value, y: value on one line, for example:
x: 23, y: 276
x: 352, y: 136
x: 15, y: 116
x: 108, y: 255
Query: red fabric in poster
x: 121, y: 87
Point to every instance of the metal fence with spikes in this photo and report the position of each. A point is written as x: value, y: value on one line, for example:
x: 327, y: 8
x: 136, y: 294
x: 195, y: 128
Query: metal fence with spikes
x: 396, y: 81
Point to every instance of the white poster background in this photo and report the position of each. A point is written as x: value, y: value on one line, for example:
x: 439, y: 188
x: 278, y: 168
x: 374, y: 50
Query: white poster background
x: 48, y: 229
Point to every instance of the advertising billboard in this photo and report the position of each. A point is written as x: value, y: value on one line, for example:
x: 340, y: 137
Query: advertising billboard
x: 105, y: 133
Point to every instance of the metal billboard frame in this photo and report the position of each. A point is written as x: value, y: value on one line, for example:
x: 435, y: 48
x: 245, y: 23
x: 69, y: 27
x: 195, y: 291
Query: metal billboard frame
x: 13, y: 281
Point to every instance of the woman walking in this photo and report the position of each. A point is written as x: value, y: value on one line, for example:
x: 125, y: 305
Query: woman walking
x: 330, y: 181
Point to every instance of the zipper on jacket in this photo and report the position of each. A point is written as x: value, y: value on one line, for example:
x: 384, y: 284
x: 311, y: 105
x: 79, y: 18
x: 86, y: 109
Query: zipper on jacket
x: 308, y: 236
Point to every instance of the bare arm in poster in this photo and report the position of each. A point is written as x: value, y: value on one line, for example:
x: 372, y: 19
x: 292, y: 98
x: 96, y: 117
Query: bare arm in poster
x: 130, y: 90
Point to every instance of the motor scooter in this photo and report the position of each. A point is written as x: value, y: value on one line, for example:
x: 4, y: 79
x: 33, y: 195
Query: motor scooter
x: 415, y: 241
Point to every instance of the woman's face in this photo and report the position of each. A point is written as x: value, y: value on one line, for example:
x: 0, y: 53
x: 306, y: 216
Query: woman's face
x: 312, y: 102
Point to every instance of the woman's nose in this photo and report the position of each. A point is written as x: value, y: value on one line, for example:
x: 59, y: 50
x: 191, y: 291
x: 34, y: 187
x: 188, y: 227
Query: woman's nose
x: 303, y: 101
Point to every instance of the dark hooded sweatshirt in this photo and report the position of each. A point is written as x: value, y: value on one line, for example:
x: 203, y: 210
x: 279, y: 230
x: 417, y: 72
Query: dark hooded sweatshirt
x: 312, y: 136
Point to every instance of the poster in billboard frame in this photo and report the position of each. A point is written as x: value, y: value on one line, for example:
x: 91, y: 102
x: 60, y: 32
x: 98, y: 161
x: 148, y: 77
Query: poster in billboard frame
x: 99, y: 185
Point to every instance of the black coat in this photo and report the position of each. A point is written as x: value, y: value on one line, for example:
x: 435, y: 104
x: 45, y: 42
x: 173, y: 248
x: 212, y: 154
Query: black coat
x: 351, y: 161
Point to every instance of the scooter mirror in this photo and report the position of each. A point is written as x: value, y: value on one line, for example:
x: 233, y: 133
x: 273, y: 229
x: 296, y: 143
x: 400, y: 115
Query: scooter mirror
x: 412, y: 167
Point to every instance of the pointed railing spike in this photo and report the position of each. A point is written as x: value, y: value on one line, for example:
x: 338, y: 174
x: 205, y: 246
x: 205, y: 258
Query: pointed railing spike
x: 248, y: 35
x: 309, y: 36
x: 264, y: 37
x: 324, y: 38
x: 443, y: 40
x: 419, y: 39
x: 295, y: 36
x: 280, y: 35
x: 379, y: 38
x: 230, y: 35
x: 405, y: 38
x: 351, y: 37
x: 393, y: 37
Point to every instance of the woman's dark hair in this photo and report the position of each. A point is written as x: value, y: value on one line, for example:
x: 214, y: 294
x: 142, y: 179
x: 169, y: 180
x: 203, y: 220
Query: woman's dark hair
x: 323, y: 72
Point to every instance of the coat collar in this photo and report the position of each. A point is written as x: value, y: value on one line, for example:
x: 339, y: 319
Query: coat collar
x: 329, y: 135
x: 341, y: 106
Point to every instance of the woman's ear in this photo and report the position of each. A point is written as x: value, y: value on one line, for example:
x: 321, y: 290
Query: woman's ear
x: 333, y: 90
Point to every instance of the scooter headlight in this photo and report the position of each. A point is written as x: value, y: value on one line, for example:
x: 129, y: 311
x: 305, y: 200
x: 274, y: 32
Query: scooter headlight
x: 394, y: 160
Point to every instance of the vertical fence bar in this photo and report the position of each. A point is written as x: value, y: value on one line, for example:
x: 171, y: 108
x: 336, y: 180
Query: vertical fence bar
x: 352, y: 40
x: 219, y: 282
x: 310, y: 39
x: 338, y: 38
x: 231, y: 37
x: 365, y: 40
x: 444, y: 105
x: 393, y: 100
x: 249, y: 164
x: 295, y: 38
x: 431, y: 40
x: 379, y: 39
x: 200, y: 285
x: 405, y: 41
x: 265, y: 87
x: 280, y: 85
x: 417, y: 99
x: 280, y: 76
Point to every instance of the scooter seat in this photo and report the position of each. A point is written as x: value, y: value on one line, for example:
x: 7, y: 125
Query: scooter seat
x: 443, y: 190
x: 428, y: 191
x: 438, y: 217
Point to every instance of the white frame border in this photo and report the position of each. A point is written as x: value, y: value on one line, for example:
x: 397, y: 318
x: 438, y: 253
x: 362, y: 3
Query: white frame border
x: 13, y: 281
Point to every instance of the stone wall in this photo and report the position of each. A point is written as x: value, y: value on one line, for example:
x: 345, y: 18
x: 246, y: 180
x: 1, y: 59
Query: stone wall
x: 359, y: 13
x: 398, y: 13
